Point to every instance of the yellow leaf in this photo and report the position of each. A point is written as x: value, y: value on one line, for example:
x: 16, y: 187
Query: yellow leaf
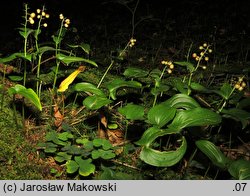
x: 67, y: 81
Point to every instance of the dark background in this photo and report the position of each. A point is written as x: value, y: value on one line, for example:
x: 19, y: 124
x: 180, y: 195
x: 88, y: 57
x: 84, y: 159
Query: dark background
x: 96, y: 20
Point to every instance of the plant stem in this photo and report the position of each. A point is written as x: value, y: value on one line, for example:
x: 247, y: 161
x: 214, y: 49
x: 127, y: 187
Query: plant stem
x: 106, y: 72
x: 38, y: 76
x: 133, y: 18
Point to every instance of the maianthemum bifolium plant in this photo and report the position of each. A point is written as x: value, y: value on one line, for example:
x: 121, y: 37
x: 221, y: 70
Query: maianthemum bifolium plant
x: 170, y: 106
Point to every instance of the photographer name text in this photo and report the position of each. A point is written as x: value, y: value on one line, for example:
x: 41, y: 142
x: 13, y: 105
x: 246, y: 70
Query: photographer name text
x: 70, y: 187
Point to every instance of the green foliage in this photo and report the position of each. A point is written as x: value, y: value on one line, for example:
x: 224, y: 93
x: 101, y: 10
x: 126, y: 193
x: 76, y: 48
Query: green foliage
x: 71, y: 59
x: 163, y: 159
x: 239, y: 169
x: 165, y: 107
x: 114, y: 85
x: 77, y: 153
x: 132, y: 111
x: 213, y: 153
x: 27, y: 93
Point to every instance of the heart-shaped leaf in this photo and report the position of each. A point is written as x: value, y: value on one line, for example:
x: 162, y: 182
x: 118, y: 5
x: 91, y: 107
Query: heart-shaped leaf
x: 62, y: 156
x: 97, y: 142
x: 53, y: 136
x: 104, y: 154
x: 71, y: 166
x: 85, y: 166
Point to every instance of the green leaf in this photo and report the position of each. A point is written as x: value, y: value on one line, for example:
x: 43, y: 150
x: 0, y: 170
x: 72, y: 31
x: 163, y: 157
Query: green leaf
x: 182, y: 101
x: 25, y: 32
x: 113, y: 125
x: 225, y: 91
x: 88, y: 145
x: 62, y: 156
x: 134, y: 72
x: 71, y: 166
x: 89, y: 88
x: 14, y: 56
x: 155, y: 73
x: 27, y: 93
x: 152, y: 133
x: 163, y: 158
x: 86, y: 167
x: 49, y: 147
x: 83, y: 46
x: 16, y: 78
x: 106, y: 145
x: 118, y: 83
x: 45, y: 49
x: 161, y: 114
x: 72, y: 149
x: 72, y: 59
x: 240, y: 169
x: 95, y: 102
x: 104, y: 154
x: 132, y: 111
x: 53, y: 136
x: 213, y: 153
x: 159, y: 89
x: 238, y: 115
x: 198, y: 87
x: 65, y: 136
x: 189, y: 65
x: 195, y: 117
x: 179, y: 85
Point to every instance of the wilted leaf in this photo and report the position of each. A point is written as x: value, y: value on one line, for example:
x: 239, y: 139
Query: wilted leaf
x: 67, y: 81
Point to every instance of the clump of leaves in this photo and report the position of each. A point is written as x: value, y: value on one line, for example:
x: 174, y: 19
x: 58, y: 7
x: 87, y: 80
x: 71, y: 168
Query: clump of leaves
x: 78, y: 153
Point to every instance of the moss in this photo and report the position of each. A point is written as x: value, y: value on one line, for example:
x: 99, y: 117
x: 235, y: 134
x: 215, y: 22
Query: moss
x: 17, y: 155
